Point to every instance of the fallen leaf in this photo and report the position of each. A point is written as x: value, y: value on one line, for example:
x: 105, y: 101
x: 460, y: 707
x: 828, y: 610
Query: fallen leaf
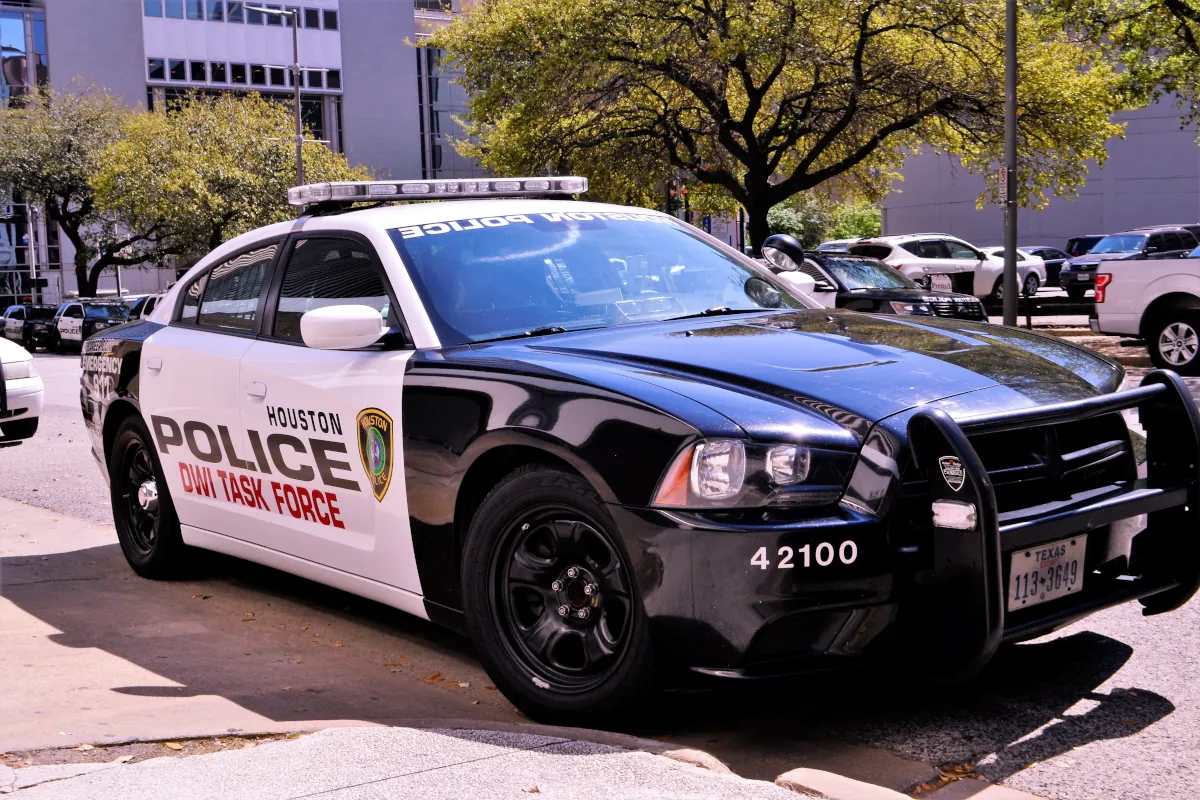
x: 83, y: 748
x: 304, y: 627
x: 287, y: 688
x: 122, y: 760
x: 173, y: 745
x: 300, y: 662
x: 463, y: 685
x: 490, y: 688
x: 533, y: 790
x: 249, y: 617
x: 1129, y: 722
x: 474, y: 702
x: 201, y: 596
x: 434, y: 678
x: 338, y: 644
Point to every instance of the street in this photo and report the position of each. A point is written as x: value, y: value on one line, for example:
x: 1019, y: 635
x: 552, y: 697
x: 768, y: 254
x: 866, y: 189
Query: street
x: 1106, y: 708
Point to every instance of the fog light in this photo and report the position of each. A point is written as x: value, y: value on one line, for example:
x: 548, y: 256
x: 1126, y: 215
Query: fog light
x: 954, y: 514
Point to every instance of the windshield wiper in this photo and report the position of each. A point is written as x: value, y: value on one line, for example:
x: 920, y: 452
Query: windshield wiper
x: 541, y: 330
x: 717, y: 311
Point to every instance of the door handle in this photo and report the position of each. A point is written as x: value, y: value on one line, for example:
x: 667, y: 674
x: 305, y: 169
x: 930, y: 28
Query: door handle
x: 154, y: 363
x: 256, y: 389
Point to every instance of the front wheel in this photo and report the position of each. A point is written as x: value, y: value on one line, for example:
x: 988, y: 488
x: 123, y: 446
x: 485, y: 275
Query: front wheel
x: 147, y: 526
x: 1031, y: 285
x: 1174, y: 342
x: 21, y: 429
x: 550, y: 600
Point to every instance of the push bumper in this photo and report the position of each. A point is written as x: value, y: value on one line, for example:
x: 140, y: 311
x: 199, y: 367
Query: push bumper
x: 963, y: 606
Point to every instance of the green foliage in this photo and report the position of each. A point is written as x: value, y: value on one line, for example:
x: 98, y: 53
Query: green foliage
x: 808, y: 221
x: 856, y: 220
x: 210, y: 169
x: 766, y: 99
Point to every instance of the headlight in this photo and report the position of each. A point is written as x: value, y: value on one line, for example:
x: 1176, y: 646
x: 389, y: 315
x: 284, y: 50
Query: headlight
x: 15, y: 370
x: 911, y: 308
x: 730, y: 473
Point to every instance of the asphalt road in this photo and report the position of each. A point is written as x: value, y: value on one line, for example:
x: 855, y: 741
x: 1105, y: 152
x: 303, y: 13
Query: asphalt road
x: 1106, y: 708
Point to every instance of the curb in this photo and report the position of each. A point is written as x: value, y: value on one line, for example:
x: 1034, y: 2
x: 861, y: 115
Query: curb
x: 830, y: 786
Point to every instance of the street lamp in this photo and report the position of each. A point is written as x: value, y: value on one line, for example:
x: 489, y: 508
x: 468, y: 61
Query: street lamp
x: 1010, y: 164
x: 294, y: 15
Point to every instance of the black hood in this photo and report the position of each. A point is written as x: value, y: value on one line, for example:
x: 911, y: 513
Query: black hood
x: 1088, y: 258
x: 853, y: 368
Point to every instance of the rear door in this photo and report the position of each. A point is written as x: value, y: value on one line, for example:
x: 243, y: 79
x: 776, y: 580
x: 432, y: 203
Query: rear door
x: 330, y: 419
x: 190, y: 391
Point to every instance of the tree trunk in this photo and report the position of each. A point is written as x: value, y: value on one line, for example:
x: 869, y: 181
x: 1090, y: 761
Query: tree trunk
x: 758, y: 229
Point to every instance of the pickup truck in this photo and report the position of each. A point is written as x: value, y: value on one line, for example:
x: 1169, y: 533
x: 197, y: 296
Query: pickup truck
x: 1156, y: 301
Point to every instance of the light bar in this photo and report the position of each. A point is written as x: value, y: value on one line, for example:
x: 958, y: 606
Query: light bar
x: 366, y: 191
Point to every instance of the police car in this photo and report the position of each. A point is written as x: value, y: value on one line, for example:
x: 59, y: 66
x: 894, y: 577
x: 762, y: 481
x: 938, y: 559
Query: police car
x: 76, y: 320
x: 608, y: 447
x: 19, y: 321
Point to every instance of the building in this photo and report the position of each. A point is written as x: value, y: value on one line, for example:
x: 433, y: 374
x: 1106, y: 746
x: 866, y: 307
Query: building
x: 365, y: 89
x: 1152, y: 176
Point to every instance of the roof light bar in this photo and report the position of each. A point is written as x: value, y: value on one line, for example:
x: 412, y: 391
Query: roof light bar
x: 351, y: 191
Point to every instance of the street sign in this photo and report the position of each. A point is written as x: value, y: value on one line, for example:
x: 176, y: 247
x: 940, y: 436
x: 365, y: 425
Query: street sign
x: 1003, y: 185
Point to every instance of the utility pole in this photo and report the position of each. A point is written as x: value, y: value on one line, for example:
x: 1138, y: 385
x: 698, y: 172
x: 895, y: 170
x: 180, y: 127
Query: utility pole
x: 1010, y: 163
x: 294, y: 16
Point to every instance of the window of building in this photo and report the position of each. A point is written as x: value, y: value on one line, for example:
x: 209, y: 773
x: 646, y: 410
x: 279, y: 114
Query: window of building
x: 177, y: 69
x: 235, y: 12
x: 195, y: 9
x: 254, y: 17
x: 433, y: 5
x: 323, y: 273
x: 216, y: 10
x: 232, y: 290
x: 152, y: 8
x: 330, y: 17
x: 294, y: 17
x: 237, y: 73
x: 277, y: 77
x: 199, y: 71
x: 218, y: 71
x: 258, y: 75
x: 175, y: 9
x: 333, y: 79
x: 273, y: 19
x: 157, y: 69
x: 312, y: 18
x: 316, y: 79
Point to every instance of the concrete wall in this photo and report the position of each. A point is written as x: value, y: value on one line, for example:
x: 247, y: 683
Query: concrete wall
x: 100, y: 42
x: 379, y: 78
x: 1151, y: 177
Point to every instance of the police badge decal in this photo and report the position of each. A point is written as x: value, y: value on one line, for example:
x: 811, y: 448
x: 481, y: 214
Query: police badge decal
x: 953, y: 472
x: 375, y: 449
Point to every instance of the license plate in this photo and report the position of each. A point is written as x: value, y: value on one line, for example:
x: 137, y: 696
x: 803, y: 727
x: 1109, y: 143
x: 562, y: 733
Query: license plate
x: 940, y: 283
x: 1046, y: 572
x: 1085, y: 277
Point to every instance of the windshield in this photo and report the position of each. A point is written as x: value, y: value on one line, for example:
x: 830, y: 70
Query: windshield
x: 857, y: 273
x: 106, y: 312
x: 504, y: 276
x: 40, y: 312
x: 1121, y: 243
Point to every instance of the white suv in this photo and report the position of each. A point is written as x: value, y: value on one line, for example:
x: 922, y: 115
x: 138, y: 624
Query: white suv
x: 934, y: 260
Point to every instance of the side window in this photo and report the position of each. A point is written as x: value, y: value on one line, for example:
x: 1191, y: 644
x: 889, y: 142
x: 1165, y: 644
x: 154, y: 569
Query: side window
x: 328, y: 272
x: 1187, y: 240
x: 151, y: 302
x: 1158, y: 242
x: 74, y: 312
x: 191, y: 298
x: 232, y: 290
x: 933, y: 248
x: 880, y: 251
x: 962, y: 250
x: 17, y: 313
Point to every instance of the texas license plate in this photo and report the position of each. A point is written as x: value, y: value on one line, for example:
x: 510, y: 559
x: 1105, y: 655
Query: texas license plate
x: 1046, y: 572
x: 1085, y: 277
x: 940, y: 283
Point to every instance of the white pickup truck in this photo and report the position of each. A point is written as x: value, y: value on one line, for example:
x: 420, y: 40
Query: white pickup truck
x: 1156, y: 301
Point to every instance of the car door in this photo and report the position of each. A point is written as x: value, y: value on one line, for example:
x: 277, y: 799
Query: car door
x: 329, y: 420
x: 14, y: 323
x: 190, y: 391
x: 70, y: 324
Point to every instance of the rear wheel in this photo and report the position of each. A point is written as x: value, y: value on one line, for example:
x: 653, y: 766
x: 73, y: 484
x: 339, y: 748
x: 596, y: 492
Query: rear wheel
x: 21, y: 429
x: 1031, y: 285
x: 147, y: 526
x: 550, y: 600
x: 1174, y: 342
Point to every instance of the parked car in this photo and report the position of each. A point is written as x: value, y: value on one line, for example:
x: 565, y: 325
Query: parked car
x: 860, y: 283
x: 835, y: 244
x: 76, y: 320
x: 1079, y: 274
x: 142, y: 307
x: 1031, y: 272
x: 933, y: 260
x: 21, y: 393
x: 1052, y: 258
x: 19, y: 320
x: 1079, y: 245
x: 1193, y: 228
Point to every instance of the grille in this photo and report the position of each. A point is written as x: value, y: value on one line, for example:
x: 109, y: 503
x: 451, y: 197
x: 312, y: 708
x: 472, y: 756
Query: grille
x: 1077, y: 267
x: 958, y: 309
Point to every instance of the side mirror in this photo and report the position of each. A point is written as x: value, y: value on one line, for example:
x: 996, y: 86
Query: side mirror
x: 783, y: 252
x: 341, y: 327
x: 800, y: 281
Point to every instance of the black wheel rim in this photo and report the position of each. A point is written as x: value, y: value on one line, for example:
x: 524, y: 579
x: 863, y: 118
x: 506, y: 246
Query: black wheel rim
x: 562, y: 599
x: 139, y: 498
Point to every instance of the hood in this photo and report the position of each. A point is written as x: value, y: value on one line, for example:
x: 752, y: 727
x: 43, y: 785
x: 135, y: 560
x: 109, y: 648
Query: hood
x: 916, y: 294
x: 853, y: 368
x: 11, y: 351
x: 1090, y: 258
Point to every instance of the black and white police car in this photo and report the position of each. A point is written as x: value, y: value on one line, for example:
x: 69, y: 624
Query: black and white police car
x: 76, y: 320
x: 608, y: 447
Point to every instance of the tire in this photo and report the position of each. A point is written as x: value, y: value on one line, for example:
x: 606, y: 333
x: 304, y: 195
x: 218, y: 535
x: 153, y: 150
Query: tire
x: 1076, y: 292
x: 147, y: 526
x: 998, y: 290
x: 535, y: 544
x: 21, y: 429
x: 1174, y: 342
x: 58, y: 346
x: 1030, y: 287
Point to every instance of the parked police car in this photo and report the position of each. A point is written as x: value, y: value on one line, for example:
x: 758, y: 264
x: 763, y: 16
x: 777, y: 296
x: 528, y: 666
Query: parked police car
x: 19, y: 321
x: 76, y: 320
x: 606, y: 446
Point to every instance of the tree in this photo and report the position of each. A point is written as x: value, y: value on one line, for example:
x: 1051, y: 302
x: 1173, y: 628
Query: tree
x: 770, y: 98
x: 53, y: 146
x: 210, y: 169
x: 856, y: 219
x: 808, y: 220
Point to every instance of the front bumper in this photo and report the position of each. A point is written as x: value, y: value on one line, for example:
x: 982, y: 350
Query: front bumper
x: 741, y: 600
x: 21, y: 399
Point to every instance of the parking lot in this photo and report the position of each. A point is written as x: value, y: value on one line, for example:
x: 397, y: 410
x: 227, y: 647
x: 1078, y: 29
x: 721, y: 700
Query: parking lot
x: 1106, y: 708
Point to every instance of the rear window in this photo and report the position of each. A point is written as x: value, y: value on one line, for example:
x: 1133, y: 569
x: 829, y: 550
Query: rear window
x: 106, y: 312
x: 46, y: 312
x: 879, y: 251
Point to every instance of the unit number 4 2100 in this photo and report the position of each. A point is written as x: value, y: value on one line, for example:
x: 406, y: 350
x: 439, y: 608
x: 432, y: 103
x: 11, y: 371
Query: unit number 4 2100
x: 822, y: 555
